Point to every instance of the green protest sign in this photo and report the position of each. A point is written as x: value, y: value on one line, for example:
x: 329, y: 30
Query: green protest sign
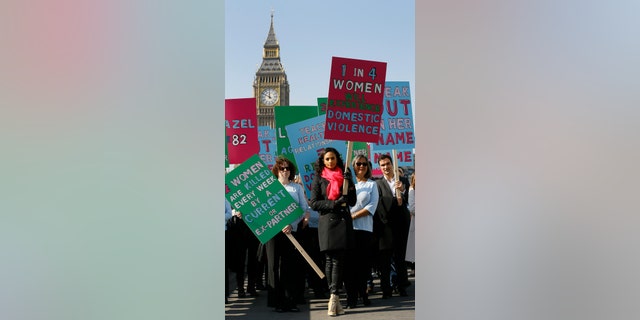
x: 284, y: 116
x: 360, y: 148
x: 322, y: 105
x: 265, y: 204
x: 226, y: 153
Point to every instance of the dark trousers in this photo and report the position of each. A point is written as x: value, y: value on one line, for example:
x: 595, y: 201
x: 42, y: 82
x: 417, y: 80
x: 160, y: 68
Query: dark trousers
x: 262, y: 271
x: 283, y: 272
x: 384, y: 267
x: 300, y: 264
x: 400, y: 238
x: 334, y: 269
x: 309, y: 241
x: 227, y: 259
x: 358, y: 266
x: 247, y: 256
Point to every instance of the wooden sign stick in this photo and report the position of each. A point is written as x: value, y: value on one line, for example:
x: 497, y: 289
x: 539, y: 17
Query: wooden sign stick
x: 396, y: 174
x: 395, y: 162
x: 305, y: 255
x: 345, y: 184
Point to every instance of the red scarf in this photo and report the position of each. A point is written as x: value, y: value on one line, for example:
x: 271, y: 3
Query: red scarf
x: 335, y: 178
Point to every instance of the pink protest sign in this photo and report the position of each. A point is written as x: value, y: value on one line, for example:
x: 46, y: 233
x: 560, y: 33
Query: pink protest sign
x: 354, y: 104
x: 241, y: 127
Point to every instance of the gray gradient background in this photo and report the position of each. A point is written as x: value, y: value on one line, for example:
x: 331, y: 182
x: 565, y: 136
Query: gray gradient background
x: 111, y: 176
x: 529, y: 146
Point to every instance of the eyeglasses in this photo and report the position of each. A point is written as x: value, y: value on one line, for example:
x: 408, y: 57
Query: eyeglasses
x: 361, y: 164
x: 284, y: 168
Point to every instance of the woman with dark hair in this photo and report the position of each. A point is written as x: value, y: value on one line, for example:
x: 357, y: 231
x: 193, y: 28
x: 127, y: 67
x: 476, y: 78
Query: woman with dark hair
x: 284, y: 263
x: 360, y: 260
x: 335, y: 227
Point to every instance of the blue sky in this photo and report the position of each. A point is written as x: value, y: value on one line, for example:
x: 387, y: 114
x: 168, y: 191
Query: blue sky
x: 310, y: 33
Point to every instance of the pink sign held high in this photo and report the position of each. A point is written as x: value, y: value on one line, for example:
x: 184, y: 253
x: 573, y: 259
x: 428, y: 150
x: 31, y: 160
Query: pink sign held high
x: 354, y: 103
x: 241, y: 127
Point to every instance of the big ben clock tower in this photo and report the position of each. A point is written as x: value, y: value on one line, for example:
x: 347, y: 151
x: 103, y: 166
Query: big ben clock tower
x: 270, y: 86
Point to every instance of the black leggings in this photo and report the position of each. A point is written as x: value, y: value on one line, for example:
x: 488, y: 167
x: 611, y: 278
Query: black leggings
x: 334, y: 269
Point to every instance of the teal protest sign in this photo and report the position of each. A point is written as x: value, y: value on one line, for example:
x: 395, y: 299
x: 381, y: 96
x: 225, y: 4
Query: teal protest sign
x: 396, y: 128
x: 265, y: 204
x: 284, y: 116
x: 267, y: 138
x: 306, y: 138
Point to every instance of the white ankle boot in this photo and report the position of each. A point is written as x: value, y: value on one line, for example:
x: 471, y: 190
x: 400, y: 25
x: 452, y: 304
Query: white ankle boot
x: 332, y: 305
x: 339, y: 309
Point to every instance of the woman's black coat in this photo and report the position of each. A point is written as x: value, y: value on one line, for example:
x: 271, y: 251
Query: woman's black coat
x: 335, y: 226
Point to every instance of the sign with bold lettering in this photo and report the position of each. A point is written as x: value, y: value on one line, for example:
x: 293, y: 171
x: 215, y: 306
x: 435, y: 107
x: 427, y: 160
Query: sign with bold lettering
x: 284, y: 116
x: 265, y: 204
x: 354, y: 104
x: 360, y: 148
x: 307, y: 141
x: 396, y: 129
x: 268, y: 148
x: 403, y: 158
x: 241, y: 127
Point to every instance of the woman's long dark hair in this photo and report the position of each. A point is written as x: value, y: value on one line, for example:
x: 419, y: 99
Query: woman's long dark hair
x: 320, y: 162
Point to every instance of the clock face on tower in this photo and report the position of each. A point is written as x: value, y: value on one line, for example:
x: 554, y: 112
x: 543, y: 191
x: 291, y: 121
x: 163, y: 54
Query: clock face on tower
x: 269, y: 96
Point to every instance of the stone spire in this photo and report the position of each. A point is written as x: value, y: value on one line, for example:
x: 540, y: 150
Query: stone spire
x: 272, y: 41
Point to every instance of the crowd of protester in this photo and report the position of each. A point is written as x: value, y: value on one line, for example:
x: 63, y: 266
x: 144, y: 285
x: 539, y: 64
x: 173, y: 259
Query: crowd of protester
x: 355, y: 226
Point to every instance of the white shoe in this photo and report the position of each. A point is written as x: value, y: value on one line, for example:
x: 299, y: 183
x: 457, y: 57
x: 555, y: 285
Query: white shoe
x: 339, y: 309
x: 331, y: 310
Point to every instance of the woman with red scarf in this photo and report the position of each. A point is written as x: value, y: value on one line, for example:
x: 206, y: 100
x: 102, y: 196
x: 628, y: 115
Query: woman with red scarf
x: 335, y: 227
